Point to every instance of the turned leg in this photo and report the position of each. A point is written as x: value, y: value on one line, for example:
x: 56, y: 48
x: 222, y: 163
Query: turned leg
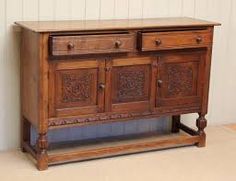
x: 42, y: 156
x: 201, y: 124
x: 25, y: 133
x: 175, y: 124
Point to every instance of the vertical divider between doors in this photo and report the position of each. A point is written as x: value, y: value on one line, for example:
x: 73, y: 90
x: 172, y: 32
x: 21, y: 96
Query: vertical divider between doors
x: 108, y: 84
x: 101, y: 80
x: 153, y: 85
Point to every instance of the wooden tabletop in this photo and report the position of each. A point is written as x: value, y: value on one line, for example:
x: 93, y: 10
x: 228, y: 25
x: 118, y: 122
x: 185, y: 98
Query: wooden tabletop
x: 89, y: 25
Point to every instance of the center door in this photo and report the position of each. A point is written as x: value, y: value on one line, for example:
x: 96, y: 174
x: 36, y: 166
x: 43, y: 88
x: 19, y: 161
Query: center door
x: 128, y: 84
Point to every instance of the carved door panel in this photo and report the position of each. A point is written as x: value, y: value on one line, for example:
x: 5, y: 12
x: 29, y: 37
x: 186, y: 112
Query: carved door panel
x: 128, y: 85
x: 77, y: 87
x: 179, y: 80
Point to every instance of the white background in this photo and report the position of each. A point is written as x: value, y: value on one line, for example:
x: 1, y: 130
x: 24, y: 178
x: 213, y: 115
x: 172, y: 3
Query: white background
x: 222, y: 108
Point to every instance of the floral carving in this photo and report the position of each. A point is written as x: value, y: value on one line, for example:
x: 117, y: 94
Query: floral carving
x: 76, y: 87
x: 131, y: 84
x: 96, y: 118
x: 180, y: 80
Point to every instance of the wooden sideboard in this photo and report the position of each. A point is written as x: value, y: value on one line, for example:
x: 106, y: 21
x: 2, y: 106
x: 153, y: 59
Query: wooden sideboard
x: 76, y: 73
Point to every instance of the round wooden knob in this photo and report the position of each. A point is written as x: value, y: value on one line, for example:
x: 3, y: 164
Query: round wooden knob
x: 199, y: 39
x: 70, y: 46
x: 118, y: 44
x: 158, y: 42
x: 102, y: 86
x: 159, y: 83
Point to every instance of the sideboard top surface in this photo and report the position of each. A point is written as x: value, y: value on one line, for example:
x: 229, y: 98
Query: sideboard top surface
x: 92, y: 25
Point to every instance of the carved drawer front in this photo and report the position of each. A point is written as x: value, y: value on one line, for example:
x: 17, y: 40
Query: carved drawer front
x: 152, y: 41
x: 179, y: 80
x: 76, y: 88
x: 130, y: 84
x: 91, y: 44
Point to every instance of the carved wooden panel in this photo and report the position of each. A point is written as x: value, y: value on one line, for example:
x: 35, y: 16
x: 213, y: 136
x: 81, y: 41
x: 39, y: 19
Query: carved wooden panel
x: 77, y: 87
x: 179, y: 79
x: 130, y: 84
x: 74, y: 88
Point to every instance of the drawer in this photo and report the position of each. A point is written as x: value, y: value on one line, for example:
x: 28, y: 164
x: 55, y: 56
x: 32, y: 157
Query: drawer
x: 91, y: 44
x: 151, y: 41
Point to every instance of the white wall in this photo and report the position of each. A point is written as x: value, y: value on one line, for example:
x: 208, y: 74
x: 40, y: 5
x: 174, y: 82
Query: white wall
x: 223, y: 85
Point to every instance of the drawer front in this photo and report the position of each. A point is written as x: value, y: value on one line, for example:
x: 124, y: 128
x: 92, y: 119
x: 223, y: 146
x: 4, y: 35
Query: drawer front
x: 174, y: 40
x: 91, y: 44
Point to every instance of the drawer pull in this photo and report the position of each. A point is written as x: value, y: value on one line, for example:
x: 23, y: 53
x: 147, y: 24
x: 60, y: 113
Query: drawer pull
x: 118, y: 44
x: 159, y: 83
x: 102, y: 86
x: 70, y: 46
x: 158, y: 42
x: 199, y: 39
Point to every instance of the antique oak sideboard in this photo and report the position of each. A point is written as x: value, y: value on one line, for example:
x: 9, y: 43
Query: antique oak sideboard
x: 76, y: 73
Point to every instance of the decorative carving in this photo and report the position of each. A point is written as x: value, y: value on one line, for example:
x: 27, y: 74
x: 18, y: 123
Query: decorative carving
x: 41, y: 149
x: 201, y: 125
x: 76, y: 87
x: 42, y: 143
x: 180, y: 80
x: 131, y: 84
x: 96, y: 118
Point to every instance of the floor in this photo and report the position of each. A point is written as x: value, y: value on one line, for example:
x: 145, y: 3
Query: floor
x: 216, y: 162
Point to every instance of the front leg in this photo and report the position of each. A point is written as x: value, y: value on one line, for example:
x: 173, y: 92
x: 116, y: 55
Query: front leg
x: 201, y: 124
x: 42, y: 156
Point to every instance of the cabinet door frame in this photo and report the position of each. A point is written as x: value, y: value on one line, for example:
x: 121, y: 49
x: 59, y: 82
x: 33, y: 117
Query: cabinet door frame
x: 133, y: 106
x: 183, y: 101
x: 73, y: 65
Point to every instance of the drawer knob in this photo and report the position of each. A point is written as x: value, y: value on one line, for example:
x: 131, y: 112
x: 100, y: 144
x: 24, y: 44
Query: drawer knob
x: 118, y: 44
x: 102, y: 86
x: 70, y: 46
x: 158, y: 42
x: 159, y: 83
x: 199, y: 39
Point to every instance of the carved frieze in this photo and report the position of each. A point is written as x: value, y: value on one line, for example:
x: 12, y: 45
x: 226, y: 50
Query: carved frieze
x: 95, y: 119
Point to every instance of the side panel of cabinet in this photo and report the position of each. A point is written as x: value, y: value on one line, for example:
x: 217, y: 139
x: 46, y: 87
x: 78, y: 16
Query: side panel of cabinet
x: 179, y: 83
x: 129, y: 84
x: 76, y: 87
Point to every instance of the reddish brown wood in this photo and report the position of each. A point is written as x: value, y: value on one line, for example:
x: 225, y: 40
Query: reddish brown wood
x: 77, y: 87
x: 121, y: 24
x: 42, y: 156
x: 91, y: 44
x: 28, y: 148
x: 152, y: 41
x: 178, y: 81
x: 131, y: 84
x: 121, y: 147
x: 201, y: 124
x: 113, y: 72
x: 30, y: 76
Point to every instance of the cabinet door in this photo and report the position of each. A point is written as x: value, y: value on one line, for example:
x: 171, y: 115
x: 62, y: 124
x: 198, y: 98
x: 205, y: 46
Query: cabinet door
x: 76, y: 87
x: 179, y: 80
x: 128, y: 85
